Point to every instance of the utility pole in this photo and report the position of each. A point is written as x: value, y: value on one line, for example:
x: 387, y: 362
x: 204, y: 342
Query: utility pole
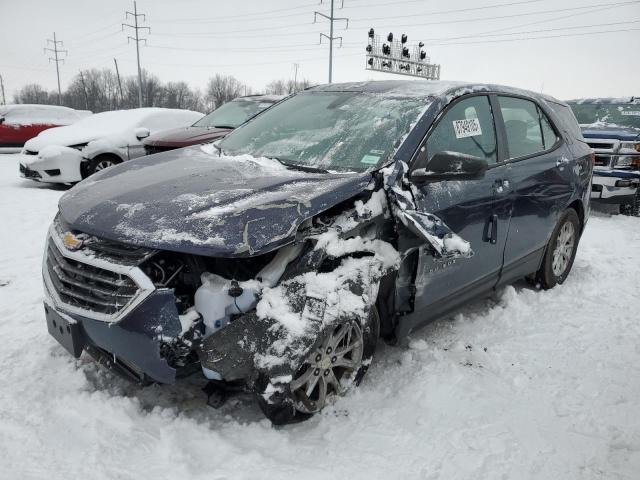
x: 84, y: 89
x: 295, y: 77
x: 4, y: 102
x: 55, y: 50
x: 119, y: 82
x: 330, y: 37
x: 137, y: 39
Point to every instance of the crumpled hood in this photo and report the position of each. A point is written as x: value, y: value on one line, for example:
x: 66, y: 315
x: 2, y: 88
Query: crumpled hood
x: 614, y: 132
x: 193, y: 201
x: 184, y: 136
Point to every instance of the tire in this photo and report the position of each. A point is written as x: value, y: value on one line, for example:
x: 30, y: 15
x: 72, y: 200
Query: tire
x: 294, y: 405
x: 632, y: 209
x: 99, y: 163
x: 561, y: 251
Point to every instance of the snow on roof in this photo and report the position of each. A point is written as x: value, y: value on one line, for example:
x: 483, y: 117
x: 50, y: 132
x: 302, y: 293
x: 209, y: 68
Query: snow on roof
x: 605, y: 100
x: 115, y: 123
x: 425, y: 88
x: 260, y: 98
x: 29, y: 114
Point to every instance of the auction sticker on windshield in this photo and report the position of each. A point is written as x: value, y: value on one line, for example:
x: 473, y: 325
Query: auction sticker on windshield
x: 370, y: 159
x: 467, y: 128
x: 631, y: 112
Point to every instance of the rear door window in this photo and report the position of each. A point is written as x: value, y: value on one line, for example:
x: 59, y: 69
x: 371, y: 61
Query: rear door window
x: 528, y: 129
x: 467, y: 127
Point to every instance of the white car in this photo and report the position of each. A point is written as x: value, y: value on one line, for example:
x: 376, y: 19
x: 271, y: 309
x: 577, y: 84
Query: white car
x: 71, y: 153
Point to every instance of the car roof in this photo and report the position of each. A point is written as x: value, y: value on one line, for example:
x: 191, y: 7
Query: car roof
x: 261, y: 98
x: 426, y: 88
x: 605, y: 100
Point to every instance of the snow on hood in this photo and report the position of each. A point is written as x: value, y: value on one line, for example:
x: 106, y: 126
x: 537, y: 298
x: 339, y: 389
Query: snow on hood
x: 602, y: 129
x: 194, y: 201
x: 117, y: 126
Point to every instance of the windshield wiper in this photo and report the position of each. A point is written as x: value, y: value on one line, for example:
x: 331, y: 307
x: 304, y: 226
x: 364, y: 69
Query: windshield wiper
x: 303, y: 168
x: 217, y: 147
x: 224, y: 126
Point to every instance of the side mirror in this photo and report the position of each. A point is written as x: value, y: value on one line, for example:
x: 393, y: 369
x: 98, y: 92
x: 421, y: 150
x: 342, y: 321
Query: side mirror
x: 1, y: 120
x: 142, y: 132
x: 450, y: 166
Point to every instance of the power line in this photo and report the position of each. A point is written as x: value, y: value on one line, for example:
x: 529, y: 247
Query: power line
x: 537, y: 31
x: 580, y: 34
x: 515, y: 15
x: 443, y: 12
x: 137, y: 39
x: 244, y: 16
x: 330, y: 37
x: 55, y: 50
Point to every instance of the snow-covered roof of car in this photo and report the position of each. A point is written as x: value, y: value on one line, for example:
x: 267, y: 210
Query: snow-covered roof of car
x: 425, y: 88
x: 117, y: 123
x: 28, y: 114
x: 606, y: 100
x: 261, y: 98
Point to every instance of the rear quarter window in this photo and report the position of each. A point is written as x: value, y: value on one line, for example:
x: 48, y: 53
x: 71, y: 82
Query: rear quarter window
x: 568, y: 119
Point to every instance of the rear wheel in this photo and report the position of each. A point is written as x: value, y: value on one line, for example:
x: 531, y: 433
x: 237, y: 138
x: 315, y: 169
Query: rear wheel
x: 561, y: 251
x: 338, y: 360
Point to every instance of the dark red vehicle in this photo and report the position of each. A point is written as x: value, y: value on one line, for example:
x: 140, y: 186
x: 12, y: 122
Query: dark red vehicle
x: 22, y: 122
x: 211, y: 127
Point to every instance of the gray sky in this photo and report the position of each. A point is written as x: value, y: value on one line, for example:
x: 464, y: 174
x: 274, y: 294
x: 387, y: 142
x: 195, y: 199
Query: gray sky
x: 529, y: 44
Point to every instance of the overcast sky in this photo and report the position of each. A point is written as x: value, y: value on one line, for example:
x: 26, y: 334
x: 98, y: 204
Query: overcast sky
x: 557, y: 46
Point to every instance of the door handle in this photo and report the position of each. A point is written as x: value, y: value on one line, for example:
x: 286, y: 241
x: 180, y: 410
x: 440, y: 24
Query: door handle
x: 493, y: 229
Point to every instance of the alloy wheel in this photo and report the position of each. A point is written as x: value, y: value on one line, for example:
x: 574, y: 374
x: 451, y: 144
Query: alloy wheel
x: 563, y: 252
x: 329, y: 369
x: 102, y: 164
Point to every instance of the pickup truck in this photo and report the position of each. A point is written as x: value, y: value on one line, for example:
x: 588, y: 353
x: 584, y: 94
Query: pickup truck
x: 611, y: 127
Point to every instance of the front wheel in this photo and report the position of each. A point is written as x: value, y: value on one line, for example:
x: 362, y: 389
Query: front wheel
x: 633, y: 208
x: 338, y: 360
x: 99, y: 163
x: 561, y: 251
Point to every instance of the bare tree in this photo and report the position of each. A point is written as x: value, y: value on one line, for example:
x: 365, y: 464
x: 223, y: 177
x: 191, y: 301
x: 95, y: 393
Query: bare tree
x: 34, y: 93
x: 221, y: 89
x: 285, y: 87
x: 98, y: 91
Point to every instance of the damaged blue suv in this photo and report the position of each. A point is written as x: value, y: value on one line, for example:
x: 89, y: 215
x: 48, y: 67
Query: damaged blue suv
x: 274, y: 260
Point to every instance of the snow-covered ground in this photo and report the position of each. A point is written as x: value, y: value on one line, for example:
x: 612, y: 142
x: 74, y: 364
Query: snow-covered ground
x: 529, y: 384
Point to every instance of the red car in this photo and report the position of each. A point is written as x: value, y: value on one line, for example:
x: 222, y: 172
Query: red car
x: 213, y: 126
x: 22, y: 122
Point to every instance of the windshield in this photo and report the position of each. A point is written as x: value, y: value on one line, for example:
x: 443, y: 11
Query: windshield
x: 232, y: 114
x: 350, y: 131
x: 614, y: 114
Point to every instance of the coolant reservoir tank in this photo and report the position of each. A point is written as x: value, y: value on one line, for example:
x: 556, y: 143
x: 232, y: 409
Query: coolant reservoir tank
x: 211, y: 301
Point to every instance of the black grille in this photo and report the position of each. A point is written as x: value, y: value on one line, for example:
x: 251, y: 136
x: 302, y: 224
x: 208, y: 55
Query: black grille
x: 28, y: 173
x: 86, y: 286
x: 602, y: 161
x: 30, y: 152
x: 601, y: 146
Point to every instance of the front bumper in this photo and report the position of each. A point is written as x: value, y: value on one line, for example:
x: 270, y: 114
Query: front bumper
x: 132, y: 345
x: 52, y: 165
x: 614, y: 186
x: 133, y: 336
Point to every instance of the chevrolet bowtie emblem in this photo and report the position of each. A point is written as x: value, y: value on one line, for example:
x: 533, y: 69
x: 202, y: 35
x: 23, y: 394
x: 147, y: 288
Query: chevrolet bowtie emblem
x: 71, y: 242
